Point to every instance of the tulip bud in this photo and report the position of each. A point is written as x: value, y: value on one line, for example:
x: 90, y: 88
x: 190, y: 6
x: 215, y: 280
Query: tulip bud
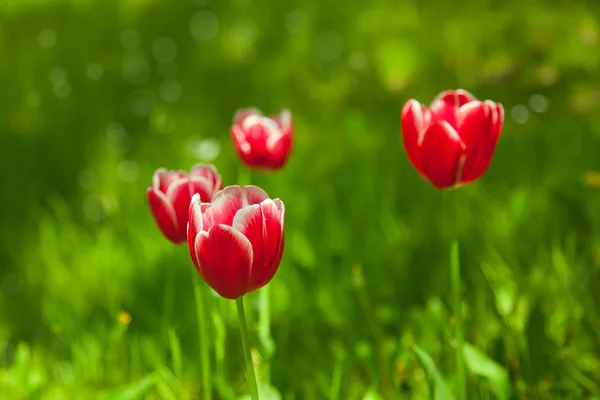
x: 236, y: 241
x: 170, y: 195
x: 452, y: 142
x: 262, y: 142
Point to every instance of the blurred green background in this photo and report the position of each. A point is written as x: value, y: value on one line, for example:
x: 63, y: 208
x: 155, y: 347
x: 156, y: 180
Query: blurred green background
x: 96, y: 95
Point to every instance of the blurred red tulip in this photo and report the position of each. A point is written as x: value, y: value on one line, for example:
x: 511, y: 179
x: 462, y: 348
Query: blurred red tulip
x: 171, y: 193
x: 236, y: 242
x: 452, y: 142
x: 262, y: 142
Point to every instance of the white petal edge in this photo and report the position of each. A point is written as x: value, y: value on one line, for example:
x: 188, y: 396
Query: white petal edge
x: 270, y: 125
x: 175, y: 184
x: 452, y: 133
x: 221, y: 196
x: 156, y: 177
x: 201, y: 166
x: 274, y: 139
x: 491, y: 108
x: 207, y: 185
x: 457, y: 91
x: 466, y: 109
x: 279, y: 204
x: 240, y: 219
x: 195, y: 214
x: 168, y: 206
x: 249, y: 110
x: 286, y: 118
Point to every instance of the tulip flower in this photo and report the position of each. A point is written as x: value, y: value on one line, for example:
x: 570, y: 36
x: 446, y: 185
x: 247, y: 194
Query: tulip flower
x: 170, y: 195
x: 262, y: 142
x: 452, y: 142
x: 236, y: 241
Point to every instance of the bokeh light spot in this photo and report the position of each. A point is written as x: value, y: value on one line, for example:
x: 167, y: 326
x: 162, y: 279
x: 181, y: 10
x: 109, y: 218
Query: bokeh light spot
x: 204, y: 26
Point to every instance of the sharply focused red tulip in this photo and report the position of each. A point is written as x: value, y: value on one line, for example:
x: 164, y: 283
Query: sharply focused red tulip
x: 262, y: 142
x: 236, y: 241
x: 170, y: 195
x: 452, y: 142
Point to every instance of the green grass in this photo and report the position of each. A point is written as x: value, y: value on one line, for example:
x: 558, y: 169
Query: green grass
x: 361, y: 307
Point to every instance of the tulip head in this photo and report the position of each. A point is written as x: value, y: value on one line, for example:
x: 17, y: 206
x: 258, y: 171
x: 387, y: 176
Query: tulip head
x: 452, y: 142
x: 236, y: 241
x: 170, y: 194
x: 262, y: 142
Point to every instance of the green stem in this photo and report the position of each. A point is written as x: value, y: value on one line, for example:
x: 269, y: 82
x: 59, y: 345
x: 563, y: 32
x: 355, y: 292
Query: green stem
x: 250, y: 375
x: 458, y: 319
x: 455, y: 281
x: 264, y: 326
x: 201, y: 312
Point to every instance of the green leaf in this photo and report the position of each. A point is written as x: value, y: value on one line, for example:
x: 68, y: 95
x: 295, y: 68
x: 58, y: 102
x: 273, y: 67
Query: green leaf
x: 134, y: 391
x: 175, y: 352
x: 480, y: 364
x: 266, y: 392
x: 436, y: 380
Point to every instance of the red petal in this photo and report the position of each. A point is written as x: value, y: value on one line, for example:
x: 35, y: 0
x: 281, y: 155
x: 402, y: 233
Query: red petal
x: 446, y: 105
x: 203, y: 187
x: 195, y: 226
x: 164, y: 215
x: 497, y: 128
x: 441, y: 153
x: 242, y: 146
x: 279, y: 149
x: 207, y: 171
x: 258, y: 131
x: 274, y: 216
x: 228, y: 201
x: 459, y: 97
x: 472, y: 123
x: 262, y: 225
x: 249, y: 221
x: 479, y: 156
x: 163, y: 179
x: 225, y: 259
x: 179, y: 196
x: 413, y: 120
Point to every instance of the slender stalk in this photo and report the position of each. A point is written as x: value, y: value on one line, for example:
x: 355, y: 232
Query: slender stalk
x: 264, y: 334
x: 455, y: 282
x: 334, y: 391
x: 201, y: 312
x: 458, y: 320
x: 250, y: 375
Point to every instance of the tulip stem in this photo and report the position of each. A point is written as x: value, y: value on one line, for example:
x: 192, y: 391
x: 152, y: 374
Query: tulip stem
x: 201, y: 312
x: 455, y: 282
x: 250, y: 375
x: 264, y: 326
x: 458, y: 320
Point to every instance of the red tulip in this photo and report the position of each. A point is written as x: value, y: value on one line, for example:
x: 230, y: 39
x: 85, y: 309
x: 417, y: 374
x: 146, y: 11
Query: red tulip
x: 452, y: 142
x: 236, y: 241
x: 262, y: 142
x: 171, y: 193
